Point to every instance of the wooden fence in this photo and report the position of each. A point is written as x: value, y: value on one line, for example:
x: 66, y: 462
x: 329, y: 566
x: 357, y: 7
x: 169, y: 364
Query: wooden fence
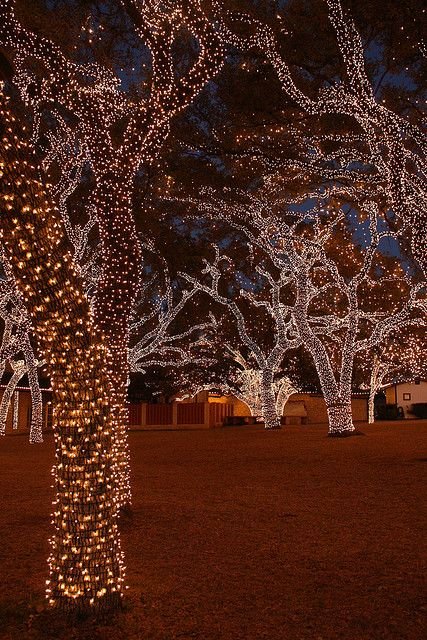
x: 160, y: 414
x: 218, y: 411
x: 190, y: 413
x: 199, y: 415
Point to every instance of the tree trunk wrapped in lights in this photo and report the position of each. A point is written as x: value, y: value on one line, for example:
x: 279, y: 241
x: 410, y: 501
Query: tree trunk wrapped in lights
x: 115, y: 132
x: 268, y: 358
x: 285, y: 388
x: 16, y: 340
x: 15, y: 416
x: 18, y: 368
x: 268, y: 400
x: 378, y: 372
x: 86, y: 564
x: 339, y: 418
x: 260, y: 390
x: 337, y: 395
x: 340, y: 297
x: 36, y: 425
x: 115, y: 296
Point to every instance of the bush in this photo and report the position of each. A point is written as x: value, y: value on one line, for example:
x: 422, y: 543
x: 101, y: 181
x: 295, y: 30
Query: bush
x: 419, y: 409
x: 387, y: 412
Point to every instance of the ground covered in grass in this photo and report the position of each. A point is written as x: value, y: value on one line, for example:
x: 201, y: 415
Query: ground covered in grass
x: 240, y: 534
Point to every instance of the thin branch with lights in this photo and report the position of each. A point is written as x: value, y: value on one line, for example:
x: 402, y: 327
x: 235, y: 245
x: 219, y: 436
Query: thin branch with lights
x: 156, y: 340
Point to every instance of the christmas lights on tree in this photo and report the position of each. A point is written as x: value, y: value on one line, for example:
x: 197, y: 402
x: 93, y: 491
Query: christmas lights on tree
x: 99, y: 106
x: 316, y: 275
x: 329, y: 291
x: 15, y: 418
x: 400, y: 358
x: 236, y: 375
x: 156, y: 341
x: 86, y: 562
x: 381, y: 151
x: 268, y: 358
x: 15, y: 344
x: 246, y: 383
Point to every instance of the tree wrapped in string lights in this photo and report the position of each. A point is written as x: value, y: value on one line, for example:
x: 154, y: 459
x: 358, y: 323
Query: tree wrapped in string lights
x: 245, y: 382
x: 264, y: 294
x: 332, y: 296
x: 355, y: 135
x: 17, y: 351
x: 86, y: 564
x: 401, y: 358
x: 116, y: 133
x: 238, y: 376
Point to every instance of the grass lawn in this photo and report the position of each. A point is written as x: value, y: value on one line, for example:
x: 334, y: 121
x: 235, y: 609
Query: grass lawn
x: 240, y: 534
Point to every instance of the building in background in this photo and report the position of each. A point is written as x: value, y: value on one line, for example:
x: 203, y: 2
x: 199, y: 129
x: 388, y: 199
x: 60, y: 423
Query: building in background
x: 406, y: 395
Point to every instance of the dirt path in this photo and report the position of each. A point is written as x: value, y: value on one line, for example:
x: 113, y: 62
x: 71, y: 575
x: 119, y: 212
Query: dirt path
x: 239, y: 534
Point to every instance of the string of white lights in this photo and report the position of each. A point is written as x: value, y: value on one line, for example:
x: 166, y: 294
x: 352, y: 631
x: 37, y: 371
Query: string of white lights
x: 336, y: 288
x: 385, y: 148
x: 268, y: 359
